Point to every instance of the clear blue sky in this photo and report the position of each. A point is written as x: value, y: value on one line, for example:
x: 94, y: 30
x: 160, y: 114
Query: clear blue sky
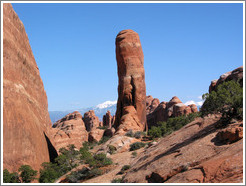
x: 185, y: 47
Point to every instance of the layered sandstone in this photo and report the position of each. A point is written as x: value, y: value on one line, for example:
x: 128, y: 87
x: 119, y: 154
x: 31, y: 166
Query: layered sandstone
x: 70, y: 130
x: 236, y: 75
x: 26, y: 121
x: 131, y: 104
x: 164, y: 110
x: 91, y: 120
x: 197, y: 153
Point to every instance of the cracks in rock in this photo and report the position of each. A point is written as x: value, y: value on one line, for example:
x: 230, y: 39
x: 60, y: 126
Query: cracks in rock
x: 133, y: 92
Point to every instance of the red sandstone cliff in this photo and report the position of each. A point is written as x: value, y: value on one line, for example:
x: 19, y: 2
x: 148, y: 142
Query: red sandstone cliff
x: 26, y: 121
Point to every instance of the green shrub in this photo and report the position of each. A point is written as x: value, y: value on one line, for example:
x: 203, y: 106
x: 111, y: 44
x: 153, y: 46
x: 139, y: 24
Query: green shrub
x: 129, y: 133
x: 136, y: 145
x: 49, y: 173
x: 10, y: 177
x: 227, y: 99
x: 117, y: 180
x: 102, y: 127
x: 112, y: 149
x: 172, y: 124
x: 27, y: 174
x: 102, y: 160
x: 134, y: 154
x: 103, y: 140
x: 124, y: 168
x: 139, y: 134
x: 155, y: 132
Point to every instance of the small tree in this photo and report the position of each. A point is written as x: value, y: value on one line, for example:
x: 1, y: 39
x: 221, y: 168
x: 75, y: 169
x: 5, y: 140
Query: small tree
x: 227, y: 100
x: 27, y: 174
x: 49, y: 173
x: 10, y: 177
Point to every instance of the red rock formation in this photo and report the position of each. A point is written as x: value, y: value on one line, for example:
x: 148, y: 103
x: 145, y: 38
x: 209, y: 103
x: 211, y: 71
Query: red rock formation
x: 131, y: 88
x: 236, y: 75
x: 231, y: 134
x: 151, y: 104
x: 91, y: 120
x: 107, y: 119
x: 26, y: 121
x: 69, y: 130
x: 193, y: 108
x: 193, y: 154
x: 164, y: 110
x: 95, y: 135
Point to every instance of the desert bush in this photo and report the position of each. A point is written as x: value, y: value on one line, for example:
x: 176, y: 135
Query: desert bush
x: 227, y: 100
x: 172, y: 124
x: 124, y: 168
x: 136, y: 145
x: 27, y: 174
x: 129, y: 133
x: 155, y: 132
x: 139, y: 134
x: 10, y: 177
x: 134, y: 154
x: 49, y: 172
x: 103, y: 140
x: 102, y: 160
x: 112, y: 149
x: 117, y: 180
x: 102, y: 127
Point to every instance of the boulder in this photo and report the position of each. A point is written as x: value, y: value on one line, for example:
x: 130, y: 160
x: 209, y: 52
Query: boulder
x: 26, y: 121
x: 231, y: 134
x: 131, y: 86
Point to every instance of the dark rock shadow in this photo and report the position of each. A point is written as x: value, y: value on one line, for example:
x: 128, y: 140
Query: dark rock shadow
x: 52, y: 151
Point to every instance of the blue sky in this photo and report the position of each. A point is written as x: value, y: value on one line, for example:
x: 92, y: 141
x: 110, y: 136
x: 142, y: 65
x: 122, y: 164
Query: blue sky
x: 185, y: 47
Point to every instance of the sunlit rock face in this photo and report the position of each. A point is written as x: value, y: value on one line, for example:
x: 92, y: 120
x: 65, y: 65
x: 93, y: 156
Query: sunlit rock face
x: 131, y: 105
x: 26, y: 121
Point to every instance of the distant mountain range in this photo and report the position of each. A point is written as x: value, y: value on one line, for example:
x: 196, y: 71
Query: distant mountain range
x: 100, y: 110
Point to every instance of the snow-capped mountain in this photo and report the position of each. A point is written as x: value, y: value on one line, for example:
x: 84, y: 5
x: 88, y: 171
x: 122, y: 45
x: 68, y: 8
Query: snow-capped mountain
x: 99, y: 109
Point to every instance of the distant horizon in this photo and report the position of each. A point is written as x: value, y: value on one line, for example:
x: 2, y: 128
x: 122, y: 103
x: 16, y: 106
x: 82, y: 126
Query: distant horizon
x: 185, y: 46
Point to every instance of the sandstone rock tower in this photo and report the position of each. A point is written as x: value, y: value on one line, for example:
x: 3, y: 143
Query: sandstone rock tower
x: 131, y: 105
x: 26, y: 121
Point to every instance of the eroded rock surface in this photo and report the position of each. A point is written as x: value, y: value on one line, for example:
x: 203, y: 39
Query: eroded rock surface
x: 91, y: 120
x: 236, y: 75
x: 70, y: 130
x: 107, y: 120
x: 193, y: 154
x: 131, y: 104
x: 26, y: 121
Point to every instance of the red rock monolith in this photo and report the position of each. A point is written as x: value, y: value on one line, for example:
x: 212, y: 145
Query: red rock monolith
x: 131, y: 105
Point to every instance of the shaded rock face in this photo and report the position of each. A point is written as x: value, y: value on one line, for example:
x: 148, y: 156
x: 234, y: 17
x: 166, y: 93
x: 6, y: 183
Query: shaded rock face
x: 107, y: 120
x: 91, y: 120
x: 236, y: 75
x: 26, y: 122
x: 95, y: 135
x: 164, y: 110
x: 151, y: 104
x: 193, y: 154
x: 131, y: 88
x: 69, y: 130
